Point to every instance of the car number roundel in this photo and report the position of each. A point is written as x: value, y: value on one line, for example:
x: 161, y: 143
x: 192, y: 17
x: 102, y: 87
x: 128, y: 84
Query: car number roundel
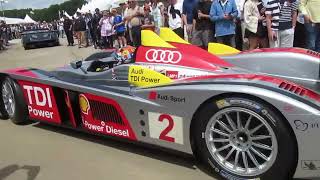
x: 166, y: 127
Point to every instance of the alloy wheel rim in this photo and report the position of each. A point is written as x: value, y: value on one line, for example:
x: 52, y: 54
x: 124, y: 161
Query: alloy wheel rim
x: 241, y: 141
x: 8, y: 98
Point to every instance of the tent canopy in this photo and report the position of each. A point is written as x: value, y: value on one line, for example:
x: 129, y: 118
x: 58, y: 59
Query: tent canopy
x: 28, y: 19
x: 12, y: 20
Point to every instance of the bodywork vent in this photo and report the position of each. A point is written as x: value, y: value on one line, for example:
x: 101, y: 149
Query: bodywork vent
x: 105, y: 112
x: 313, y: 53
x: 292, y: 88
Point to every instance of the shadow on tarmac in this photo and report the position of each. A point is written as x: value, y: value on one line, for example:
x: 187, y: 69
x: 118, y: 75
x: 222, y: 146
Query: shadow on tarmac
x: 172, y: 157
x: 32, y: 171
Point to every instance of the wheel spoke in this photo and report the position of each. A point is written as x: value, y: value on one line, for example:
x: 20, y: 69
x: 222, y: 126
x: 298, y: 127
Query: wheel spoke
x: 229, y: 154
x: 239, y: 120
x: 258, y: 153
x: 224, y: 126
x: 253, y: 159
x: 223, y: 148
x: 256, y: 129
x: 245, y: 160
x: 246, y: 127
x: 262, y: 146
x: 260, y: 137
x: 219, y: 132
x: 236, y: 159
x: 230, y: 121
x: 219, y: 140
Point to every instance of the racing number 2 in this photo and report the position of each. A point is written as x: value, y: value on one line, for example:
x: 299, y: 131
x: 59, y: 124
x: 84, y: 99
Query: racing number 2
x: 166, y: 127
x: 166, y: 131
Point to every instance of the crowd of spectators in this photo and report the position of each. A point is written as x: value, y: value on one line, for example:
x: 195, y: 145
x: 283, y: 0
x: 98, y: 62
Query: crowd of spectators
x: 243, y: 24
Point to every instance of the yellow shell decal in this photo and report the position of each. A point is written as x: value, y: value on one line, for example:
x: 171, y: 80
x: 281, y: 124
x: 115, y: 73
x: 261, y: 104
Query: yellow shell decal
x: 143, y: 77
x: 151, y: 39
x: 84, y: 104
x: 221, y: 49
x: 168, y: 35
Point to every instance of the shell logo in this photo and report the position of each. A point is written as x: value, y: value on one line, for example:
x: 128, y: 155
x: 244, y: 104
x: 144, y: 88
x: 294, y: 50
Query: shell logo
x: 84, y: 104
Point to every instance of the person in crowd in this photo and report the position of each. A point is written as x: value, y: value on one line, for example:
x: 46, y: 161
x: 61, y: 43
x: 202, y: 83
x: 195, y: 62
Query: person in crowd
x: 176, y: 18
x: 156, y: 13
x: 133, y: 18
x: 147, y: 21
x: 300, y: 32
x: 88, y: 38
x: 187, y: 11
x: 61, y: 30
x: 68, y: 28
x: 96, y: 28
x: 106, y: 24
x: 119, y: 26
x: 281, y: 18
x: 2, y: 34
x: 203, y: 26
x: 254, y: 29
x: 80, y: 29
x: 92, y: 31
x: 223, y: 13
x: 310, y: 10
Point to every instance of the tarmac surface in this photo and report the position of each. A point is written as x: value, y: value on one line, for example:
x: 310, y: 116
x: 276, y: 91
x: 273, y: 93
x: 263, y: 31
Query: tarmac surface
x: 43, y: 152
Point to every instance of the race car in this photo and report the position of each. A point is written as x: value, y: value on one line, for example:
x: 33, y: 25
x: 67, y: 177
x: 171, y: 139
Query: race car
x: 39, y: 37
x: 242, y: 124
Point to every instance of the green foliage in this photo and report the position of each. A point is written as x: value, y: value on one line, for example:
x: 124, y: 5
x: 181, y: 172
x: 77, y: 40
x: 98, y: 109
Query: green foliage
x: 46, y: 14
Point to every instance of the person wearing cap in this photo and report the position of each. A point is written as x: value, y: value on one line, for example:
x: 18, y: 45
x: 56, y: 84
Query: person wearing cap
x: 133, y: 17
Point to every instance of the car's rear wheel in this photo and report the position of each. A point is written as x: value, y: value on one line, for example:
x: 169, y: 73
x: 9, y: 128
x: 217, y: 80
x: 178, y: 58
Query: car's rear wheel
x: 242, y: 138
x: 13, y: 100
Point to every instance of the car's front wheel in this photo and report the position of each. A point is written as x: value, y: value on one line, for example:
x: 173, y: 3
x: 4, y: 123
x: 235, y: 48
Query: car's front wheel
x: 13, y: 100
x: 242, y: 138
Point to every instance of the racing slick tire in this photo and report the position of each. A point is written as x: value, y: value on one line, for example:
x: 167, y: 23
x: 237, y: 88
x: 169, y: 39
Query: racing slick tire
x: 245, y: 138
x: 3, y: 113
x: 15, y: 105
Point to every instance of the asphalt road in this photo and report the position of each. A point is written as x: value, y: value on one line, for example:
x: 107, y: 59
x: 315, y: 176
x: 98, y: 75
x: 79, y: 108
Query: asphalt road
x: 43, y: 152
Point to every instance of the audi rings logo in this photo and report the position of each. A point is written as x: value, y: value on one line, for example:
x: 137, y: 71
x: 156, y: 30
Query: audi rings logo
x: 164, y: 56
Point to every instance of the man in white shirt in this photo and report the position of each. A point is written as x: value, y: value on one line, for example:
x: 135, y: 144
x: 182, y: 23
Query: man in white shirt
x: 175, y: 18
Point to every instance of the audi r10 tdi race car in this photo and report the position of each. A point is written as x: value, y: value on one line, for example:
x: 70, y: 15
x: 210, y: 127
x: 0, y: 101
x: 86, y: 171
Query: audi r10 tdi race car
x: 39, y: 37
x: 257, y: 121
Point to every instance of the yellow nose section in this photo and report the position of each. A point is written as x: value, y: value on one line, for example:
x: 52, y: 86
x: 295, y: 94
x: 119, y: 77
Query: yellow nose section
x: 151, y: 39
x: 143, y: 77
x: 168, y: 35
x: 221, y: 49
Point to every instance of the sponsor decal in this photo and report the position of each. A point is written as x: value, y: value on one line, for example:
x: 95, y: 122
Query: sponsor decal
x: 305, y: 126
x: 169, y: 98
x: 163, y: 56
x: 84, y: 104
x: 141, y: 76
x: 104, y: 126
x: 41, y: 101
x: 108, y: 129
x: 310, y: 164
x: 222, y: 104
x: 166, y: 127
x: 172, y: 74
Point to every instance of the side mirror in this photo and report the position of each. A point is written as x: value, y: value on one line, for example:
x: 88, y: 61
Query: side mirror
x: 76, y: 64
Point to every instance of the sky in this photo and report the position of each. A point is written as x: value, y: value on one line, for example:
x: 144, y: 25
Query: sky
x: 35, y: 4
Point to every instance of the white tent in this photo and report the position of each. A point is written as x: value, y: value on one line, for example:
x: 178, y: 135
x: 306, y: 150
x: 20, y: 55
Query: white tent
x: 65, y: 13
x: 29, y: 20
x: 12, y: 20
x: 101, y: 4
